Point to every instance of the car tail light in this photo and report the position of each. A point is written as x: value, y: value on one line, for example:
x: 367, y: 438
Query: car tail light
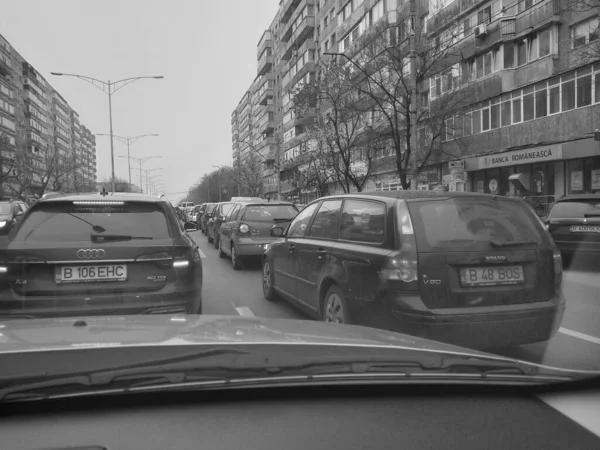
x: 402, y: 265
x: 181, y: 263
x: 558, y: 268
x: 3, y: 269
x: 244, y: 228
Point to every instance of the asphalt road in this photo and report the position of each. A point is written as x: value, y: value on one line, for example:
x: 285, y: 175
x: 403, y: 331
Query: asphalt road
x: 576, y: 345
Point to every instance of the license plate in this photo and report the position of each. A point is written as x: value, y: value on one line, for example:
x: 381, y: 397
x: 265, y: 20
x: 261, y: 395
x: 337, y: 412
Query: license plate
x: 91, y: 274
x: 491, y: 276
x: 585, y: 229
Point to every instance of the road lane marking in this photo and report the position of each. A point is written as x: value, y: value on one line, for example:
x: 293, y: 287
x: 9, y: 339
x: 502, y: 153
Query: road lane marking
x: 244, y: 311
x: 577, y: 334
x: 202, y: 255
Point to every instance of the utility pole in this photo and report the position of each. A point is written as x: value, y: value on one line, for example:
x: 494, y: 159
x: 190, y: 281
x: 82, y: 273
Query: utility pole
x: 413, y: 95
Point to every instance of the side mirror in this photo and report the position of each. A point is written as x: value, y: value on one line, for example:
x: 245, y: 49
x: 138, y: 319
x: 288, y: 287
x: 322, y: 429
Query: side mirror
x: 19, y: 213
x: 276, y: 232
x: 189, y: 226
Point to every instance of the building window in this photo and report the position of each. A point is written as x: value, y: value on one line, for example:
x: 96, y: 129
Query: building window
x: 584, y: 87
x: 568, y: 92
x: 584, y: 32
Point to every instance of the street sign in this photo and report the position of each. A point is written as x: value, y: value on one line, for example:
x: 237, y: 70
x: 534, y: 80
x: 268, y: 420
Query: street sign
x: 456, y: 165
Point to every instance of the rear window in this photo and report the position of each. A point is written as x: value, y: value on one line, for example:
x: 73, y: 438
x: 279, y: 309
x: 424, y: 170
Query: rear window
x: 472, y: 223
x: 269, y: 213
x: 5, y: 208
x: 61, y: 222
x: 575, y: 209
x: 210, y: 208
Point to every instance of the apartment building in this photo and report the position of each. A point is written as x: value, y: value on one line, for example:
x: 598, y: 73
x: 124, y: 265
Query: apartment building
x: 530, y: 65
x: 38, y: 122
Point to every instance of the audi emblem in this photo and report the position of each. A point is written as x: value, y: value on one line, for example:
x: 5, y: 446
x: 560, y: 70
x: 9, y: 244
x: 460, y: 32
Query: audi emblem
x: 90, y: 253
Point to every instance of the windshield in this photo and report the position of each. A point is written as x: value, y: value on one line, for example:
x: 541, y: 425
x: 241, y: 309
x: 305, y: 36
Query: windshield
x: 460, y: 223
x: 268, y: 213
x: 63, y: 222
x: 575, y: 209
x: 245, y: 173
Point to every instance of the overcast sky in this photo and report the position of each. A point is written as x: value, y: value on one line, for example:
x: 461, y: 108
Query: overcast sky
x: 206, y: 50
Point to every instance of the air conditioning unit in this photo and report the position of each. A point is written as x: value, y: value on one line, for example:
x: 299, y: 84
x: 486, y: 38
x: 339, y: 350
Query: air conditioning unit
x: 481, y: 30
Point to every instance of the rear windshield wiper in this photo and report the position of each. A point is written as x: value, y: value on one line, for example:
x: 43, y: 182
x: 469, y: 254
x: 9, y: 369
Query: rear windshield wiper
x: 495, y: 243
x: 276, y: 219
x: 116, y: 237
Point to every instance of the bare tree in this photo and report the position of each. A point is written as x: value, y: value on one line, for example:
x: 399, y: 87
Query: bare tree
x: 251, y: 175
x: 349, y: 151
x: 314, y: 171
x: 584, y: 40
x: 121, y: 185
x: 8, y: 162
x: 379, y: 73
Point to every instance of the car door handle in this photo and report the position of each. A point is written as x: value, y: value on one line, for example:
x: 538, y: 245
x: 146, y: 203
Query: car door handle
x: 292, y: 248
x: 321, y: 252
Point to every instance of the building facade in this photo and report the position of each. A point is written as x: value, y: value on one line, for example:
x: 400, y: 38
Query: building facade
x: 533, y: 68
x: 45, y: 149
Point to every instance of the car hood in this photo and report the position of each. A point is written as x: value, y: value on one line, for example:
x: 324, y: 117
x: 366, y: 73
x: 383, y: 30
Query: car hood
x: 34, y: 335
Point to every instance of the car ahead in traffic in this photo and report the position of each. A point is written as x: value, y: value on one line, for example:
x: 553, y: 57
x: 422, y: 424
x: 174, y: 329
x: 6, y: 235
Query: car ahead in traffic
x: 245, y: 230
x: 574, y: 223
x: 206, y: 215
x: 197, y: 212
x: 93, y: 254
x: 216, y: 219
x: 464, y: 268
x: 11, y: 213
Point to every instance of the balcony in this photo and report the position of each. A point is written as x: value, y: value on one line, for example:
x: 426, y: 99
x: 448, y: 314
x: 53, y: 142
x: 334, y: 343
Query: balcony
x: 265, y: 93
x: 287, y: 10
x: 265, y: 63
x: 266, y: 123
x: 309, y: 67
x: 5, y: 68
x: 302, y: 33
x: 266, y: 41
x: 306, y: 118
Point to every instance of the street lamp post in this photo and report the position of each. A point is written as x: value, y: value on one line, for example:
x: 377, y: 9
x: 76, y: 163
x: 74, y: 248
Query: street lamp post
x: 149, y: 178
x: 109, y: 88
x: 141, y: 161
x: 128, y: 141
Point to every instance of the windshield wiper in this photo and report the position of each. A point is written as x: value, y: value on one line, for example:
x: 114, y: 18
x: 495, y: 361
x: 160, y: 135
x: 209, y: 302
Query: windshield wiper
x: 116, y: 237
x: 226, y: 365
x: 592, y: 214
x: 495, y: 243
x: 277, y: 219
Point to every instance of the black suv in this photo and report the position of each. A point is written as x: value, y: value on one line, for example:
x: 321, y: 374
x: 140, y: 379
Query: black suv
x: 93, y: 254
x: 464, y: 268
x: 574, y: 223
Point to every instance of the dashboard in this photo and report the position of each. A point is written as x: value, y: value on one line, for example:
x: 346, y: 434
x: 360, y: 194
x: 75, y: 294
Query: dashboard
x: 325, y: 417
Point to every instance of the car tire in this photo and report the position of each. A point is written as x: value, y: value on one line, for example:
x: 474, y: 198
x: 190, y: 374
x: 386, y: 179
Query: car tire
x: 268, y: 282
x: 236, y: 263
x: 208, y: 238
x: 222, y: 254
x: 335, y: 307
x: 216, y: 241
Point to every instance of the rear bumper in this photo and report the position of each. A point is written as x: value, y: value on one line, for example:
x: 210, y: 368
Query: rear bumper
x: 481, y: 328
x: 98, y: 305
